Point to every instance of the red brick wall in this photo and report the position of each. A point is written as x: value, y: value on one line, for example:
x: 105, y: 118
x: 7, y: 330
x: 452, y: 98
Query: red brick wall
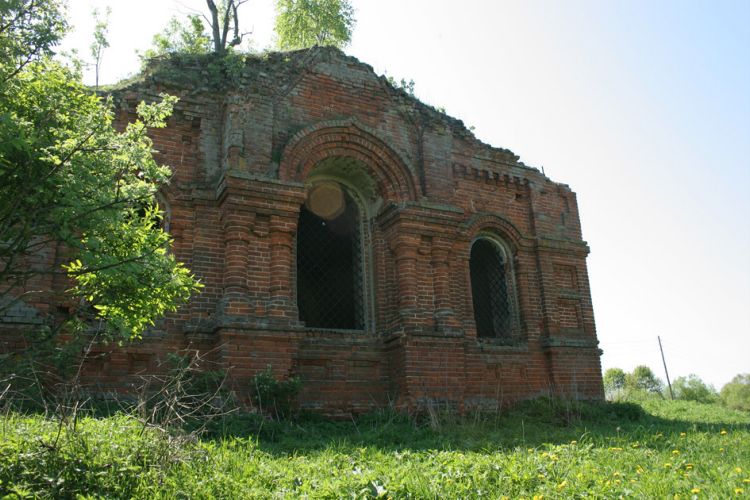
x: 241, y: 156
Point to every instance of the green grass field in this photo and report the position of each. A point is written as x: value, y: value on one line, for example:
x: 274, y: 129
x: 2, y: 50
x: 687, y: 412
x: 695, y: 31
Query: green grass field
x: 542, y: 449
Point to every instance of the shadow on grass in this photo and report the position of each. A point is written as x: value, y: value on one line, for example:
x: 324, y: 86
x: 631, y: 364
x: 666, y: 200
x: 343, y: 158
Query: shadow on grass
x: 529, y: 425
x: 536, y: 423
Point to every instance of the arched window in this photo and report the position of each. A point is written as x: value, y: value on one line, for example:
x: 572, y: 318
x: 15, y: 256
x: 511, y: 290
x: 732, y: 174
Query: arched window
x: 492, y: 290
x: 329, y: 259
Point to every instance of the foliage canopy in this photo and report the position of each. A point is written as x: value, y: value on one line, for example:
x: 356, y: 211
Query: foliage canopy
x: 187, y: 37
x: 73, y: 188
x: 692, y: 388
x: 643, y: 379
x: 304, y: 23
x: 614, y: 379
x: 736, y: 394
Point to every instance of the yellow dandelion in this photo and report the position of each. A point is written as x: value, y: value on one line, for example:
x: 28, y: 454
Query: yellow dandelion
x: 738, y: 470
x: 632, y: 481
x: 695, y: 490
x: 689, y: 466
x: 723, y: 432
x: 616, y: 474
x: 682, y: 434
x: 739, y: 491
x: 685, y: 474
x: 540, y: 476
x: 746, y: 481
x: 574, y: 442
x: 615, y: 449
x: 636, y: 445
x: 562, y: 485
x: 676, y: 496
x: 667, y: 466
x: 617, y: 481
x: 538, y: 497
x: 675, y: 452
x: 721, y: 450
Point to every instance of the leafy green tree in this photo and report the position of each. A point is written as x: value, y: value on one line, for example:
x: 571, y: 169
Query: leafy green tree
x: 692, y: 388
x: 643, y: 379
x: 304, y: 23
x: 73, y: 188
x: 100, y: 41
x: 736, y: 394
x: 225, y: 21
x: 614, y: 381
x: 28, y: 30
x: 187, y: 37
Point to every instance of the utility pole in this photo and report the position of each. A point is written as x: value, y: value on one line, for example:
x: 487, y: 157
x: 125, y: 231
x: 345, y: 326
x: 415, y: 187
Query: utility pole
x: 671, y: 394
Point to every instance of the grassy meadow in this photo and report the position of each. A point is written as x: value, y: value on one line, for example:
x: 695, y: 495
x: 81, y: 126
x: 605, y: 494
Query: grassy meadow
x: 541, y: 449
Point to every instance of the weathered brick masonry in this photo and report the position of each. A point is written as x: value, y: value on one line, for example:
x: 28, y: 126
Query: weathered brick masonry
x: 421, y: 191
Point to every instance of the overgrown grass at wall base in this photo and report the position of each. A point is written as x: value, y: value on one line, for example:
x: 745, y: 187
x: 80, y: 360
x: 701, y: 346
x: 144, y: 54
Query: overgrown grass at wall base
x: 547, y: 449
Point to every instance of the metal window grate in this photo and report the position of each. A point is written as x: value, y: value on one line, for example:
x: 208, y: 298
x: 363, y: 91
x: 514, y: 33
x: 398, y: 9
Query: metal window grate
x: 329, y: 269
x: 489, y: 290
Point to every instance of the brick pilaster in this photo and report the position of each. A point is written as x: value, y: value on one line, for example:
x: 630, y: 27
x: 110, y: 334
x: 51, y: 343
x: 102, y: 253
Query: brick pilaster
x: 281, y: 304
x: 405, y: 249
x: 237, y: 233
x: 445, y: 316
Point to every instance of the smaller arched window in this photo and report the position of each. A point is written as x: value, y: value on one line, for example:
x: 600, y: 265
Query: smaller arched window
x: 493, y: 290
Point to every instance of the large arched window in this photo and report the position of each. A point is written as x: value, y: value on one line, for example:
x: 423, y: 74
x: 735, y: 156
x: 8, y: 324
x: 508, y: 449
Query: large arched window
x: 329, y: 259
x: 493, y: 290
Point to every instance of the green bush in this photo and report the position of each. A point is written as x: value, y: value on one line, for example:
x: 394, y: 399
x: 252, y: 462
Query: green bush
x: 614, y: 383
x: 643, y: 379
x: 639, y: 385
x: 692, y: 388
x: 275, y: 397
x: 736, y: 394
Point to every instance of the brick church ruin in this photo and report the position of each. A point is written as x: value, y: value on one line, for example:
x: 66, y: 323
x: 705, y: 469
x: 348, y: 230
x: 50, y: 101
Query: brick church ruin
x: 350, y: 235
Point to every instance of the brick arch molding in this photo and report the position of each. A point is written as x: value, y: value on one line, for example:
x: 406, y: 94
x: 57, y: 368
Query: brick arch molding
x: 492, y: 223
x: 313, y: 144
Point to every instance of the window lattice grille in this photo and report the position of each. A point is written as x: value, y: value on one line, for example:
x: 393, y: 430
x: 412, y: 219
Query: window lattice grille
x: 489, y: 290
x: 329, y: 269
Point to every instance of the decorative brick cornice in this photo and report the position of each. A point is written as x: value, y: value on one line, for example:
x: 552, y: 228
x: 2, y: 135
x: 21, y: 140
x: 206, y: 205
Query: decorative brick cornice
x: 490, y: 177
x: 578, y: 343
x: 259, y: 193
x: 425, y: 218
x: 579, y: 248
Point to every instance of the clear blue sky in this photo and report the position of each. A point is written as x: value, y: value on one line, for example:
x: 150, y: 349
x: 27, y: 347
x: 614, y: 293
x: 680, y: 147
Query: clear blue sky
x: 642, y: 107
